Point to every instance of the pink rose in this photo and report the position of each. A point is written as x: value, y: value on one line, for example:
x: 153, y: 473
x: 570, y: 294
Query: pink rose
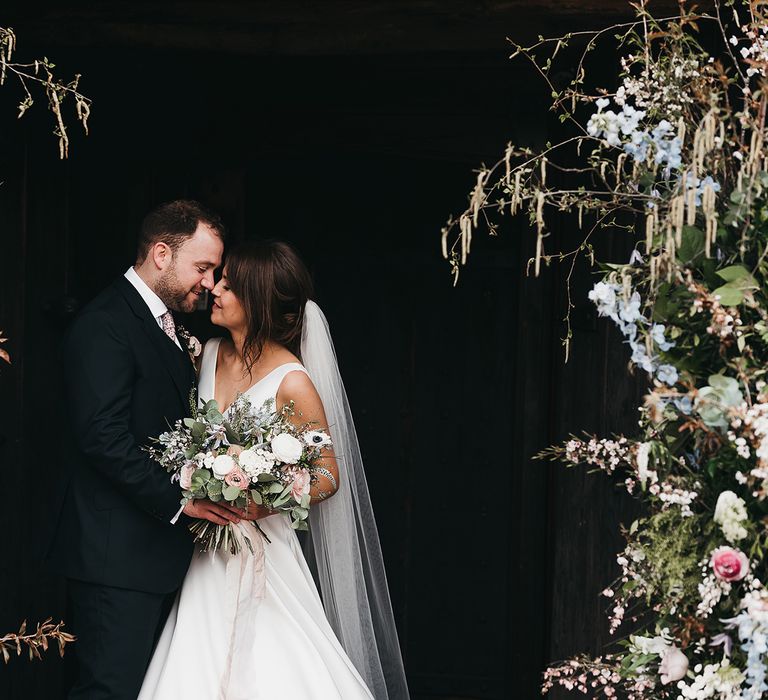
x: 301, y: 484
x: 674, y: 665
x: 236, y: 478
x: 185, y: 475
x: 729, y: 564
x: 234, y: 450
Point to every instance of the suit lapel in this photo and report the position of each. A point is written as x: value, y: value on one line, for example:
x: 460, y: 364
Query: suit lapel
x: 176, y: 361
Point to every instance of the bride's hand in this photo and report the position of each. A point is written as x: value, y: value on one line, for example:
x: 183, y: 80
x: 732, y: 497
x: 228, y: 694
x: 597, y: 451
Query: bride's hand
x: 256, y: 512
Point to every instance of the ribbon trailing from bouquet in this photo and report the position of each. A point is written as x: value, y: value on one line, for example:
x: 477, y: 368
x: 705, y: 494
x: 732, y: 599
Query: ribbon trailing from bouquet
x: 245, y: 588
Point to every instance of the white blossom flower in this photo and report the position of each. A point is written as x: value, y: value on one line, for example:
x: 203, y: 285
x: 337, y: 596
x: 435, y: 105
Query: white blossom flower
x: 317, y: 438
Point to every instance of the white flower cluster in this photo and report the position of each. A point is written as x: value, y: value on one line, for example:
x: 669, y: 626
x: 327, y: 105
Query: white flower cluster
x: 604, y: 454
x: 756, y: 54
x: 658, y: 90
x: 671, y: 495
x: 752, y: 422
x: 625, y: 313
x: 721, y: 681
x: 730, y: 513
x: 256, y: 461
x: 711, y: 590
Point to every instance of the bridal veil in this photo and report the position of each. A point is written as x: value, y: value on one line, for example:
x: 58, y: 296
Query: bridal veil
x: 343, y: 544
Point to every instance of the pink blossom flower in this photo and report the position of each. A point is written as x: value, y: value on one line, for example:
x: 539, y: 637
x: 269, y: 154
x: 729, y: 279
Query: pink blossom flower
x: 236, y: 478
x: 729, y: 564
x: 234, y: 450
x: 185, y: 475
x: 301, y: 483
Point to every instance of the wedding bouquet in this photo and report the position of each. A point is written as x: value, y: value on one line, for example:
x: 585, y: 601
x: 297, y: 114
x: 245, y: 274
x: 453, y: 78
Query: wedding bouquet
x: 247, y: 455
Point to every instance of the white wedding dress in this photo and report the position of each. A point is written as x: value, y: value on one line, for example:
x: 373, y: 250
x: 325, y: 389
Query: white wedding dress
x: 252, y: 626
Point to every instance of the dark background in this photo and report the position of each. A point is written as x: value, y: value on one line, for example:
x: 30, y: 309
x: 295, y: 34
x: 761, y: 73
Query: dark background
x: 350, y: 130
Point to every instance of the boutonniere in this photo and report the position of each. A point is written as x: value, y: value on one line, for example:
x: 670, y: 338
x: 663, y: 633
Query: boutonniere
x: 194, y: 346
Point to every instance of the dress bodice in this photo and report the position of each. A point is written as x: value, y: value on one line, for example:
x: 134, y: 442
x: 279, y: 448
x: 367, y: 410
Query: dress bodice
x: 266, y: 388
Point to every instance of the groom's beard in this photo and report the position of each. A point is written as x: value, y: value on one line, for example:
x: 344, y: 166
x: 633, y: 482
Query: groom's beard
x: 173, y: 295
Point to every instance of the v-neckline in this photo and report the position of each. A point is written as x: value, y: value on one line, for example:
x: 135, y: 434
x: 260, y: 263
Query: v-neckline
x: 250, y: 388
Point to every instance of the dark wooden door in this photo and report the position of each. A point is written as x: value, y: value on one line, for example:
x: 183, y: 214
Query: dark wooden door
x: 453, y: 389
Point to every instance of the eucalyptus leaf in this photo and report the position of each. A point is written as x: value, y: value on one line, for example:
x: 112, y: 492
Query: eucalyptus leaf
x: 230, y: 493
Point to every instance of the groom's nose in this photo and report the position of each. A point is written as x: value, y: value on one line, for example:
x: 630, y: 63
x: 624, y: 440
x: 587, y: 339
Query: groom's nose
x: 207, y: 281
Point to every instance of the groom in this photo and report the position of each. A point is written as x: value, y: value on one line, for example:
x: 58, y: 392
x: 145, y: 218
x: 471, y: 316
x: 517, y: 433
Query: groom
x: 128, y: 376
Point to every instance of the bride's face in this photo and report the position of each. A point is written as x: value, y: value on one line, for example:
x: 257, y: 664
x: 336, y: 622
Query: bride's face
x: 227, y: 310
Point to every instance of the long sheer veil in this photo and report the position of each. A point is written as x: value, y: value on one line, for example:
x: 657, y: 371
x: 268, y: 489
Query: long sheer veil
x: 343, y: 544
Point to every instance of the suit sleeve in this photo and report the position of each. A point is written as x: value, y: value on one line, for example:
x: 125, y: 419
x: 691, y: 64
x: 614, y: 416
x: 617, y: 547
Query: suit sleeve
x: 99, y: 371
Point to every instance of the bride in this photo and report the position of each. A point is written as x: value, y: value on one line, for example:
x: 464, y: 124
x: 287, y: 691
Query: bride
x: 253, y: 625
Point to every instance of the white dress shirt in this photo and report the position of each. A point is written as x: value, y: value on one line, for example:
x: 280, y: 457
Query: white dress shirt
x: 156, y: 306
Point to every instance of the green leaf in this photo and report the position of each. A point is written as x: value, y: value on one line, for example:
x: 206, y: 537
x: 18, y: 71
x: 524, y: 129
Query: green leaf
x: 633, y: 527
x: 266, y: 477
x: 215, y: 487
x: 256, y: 497
x: 692, y: 245
x: 729, y: 296
x: 737, y: 273
x: 275, y: 488
x: 230, y: 493
x: 189, y: 422
x: 198, y: 430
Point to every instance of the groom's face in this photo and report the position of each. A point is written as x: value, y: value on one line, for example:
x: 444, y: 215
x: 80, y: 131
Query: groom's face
x: 189, y: 271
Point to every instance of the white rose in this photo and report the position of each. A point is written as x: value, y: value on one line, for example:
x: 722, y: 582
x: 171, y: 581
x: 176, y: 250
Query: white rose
x: 222, y: 465
x: 287, y: 448
x: 674, y: 666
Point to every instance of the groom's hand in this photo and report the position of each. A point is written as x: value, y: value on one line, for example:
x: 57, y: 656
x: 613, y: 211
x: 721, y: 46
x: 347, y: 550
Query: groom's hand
x: 218, y: 513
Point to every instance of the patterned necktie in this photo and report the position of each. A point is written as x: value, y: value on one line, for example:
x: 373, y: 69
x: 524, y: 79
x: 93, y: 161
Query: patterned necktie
x: 169, y: 327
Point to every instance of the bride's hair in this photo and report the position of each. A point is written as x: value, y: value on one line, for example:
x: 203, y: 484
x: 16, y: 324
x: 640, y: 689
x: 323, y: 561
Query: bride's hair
x: 273, y: 285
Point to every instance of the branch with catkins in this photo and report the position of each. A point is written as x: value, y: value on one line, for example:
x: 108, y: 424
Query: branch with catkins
x: 35, y: 642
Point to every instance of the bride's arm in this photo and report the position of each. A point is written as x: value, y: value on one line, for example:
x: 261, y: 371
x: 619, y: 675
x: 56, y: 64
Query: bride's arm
x: 298, y: 387
x: 308, y: 408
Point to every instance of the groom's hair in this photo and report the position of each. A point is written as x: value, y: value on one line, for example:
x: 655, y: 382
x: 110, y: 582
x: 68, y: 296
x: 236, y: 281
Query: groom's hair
x: 173, y: 223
